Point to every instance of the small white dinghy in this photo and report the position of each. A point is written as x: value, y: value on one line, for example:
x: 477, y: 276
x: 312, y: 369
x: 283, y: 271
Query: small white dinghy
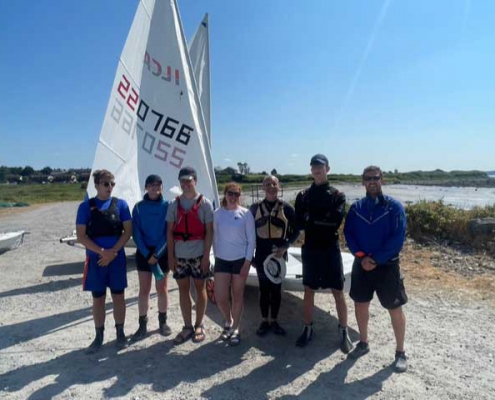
x: 11, y: 240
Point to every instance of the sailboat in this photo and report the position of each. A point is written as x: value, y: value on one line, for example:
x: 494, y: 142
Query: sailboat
x: 158, y: 115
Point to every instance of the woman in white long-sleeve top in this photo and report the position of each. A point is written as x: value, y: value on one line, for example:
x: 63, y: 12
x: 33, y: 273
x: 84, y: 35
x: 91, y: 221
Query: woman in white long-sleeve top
x: 233, y: 243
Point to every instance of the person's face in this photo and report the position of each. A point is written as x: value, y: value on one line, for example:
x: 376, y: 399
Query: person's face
x: 271, y: 188
x: 104, y: 188
x: 372, y: 181
x: 188, y: 186
x: 154, y: 190
x: 319, y: 173
x: 233, y: 196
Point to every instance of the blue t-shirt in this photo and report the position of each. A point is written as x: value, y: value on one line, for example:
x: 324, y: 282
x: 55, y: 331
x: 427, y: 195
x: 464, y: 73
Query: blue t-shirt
x: 84, y: 216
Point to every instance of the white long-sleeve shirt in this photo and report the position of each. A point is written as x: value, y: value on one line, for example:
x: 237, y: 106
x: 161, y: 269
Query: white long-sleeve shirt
x: 234, y: 235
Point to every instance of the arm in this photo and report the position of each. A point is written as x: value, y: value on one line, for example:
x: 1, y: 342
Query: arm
x: 106, y: 255
x: 300, y: 211
x: 124, y: 238
x: 137, y: 232
x: 161, y: 244
x: 395, y: 241
x: 205, y: 262
x: 172, y: 261
x: 336, y: 215
x: 349, y: 231
x: 293, y: 227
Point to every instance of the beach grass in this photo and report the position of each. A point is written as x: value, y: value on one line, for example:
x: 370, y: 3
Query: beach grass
x: 38, y: 194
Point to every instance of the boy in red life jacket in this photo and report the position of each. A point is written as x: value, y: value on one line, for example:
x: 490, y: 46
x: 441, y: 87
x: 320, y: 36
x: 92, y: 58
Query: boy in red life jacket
x: 189, y: 239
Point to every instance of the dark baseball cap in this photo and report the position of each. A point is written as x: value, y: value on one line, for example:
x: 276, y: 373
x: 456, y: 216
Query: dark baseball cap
x: 188, y: 173
x: 153, y: 179
x: 319, y: 159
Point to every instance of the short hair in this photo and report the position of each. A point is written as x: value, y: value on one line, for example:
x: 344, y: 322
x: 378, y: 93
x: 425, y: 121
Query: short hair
x: 230, y: 186
x: 372, y: 168
x: 272, y: 178
x: 99, y: 174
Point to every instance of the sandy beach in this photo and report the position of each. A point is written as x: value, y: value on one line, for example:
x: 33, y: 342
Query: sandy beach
x: 46, y: 323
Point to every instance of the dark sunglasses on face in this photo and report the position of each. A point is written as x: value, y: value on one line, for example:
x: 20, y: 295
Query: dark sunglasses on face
x: 372, y: 178
x: 107, y: 184
x: 234, y: 194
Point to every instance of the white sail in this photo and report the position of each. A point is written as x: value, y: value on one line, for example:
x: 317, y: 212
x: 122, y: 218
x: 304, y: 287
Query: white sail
x: 199, y: 51
x: 154, y: 123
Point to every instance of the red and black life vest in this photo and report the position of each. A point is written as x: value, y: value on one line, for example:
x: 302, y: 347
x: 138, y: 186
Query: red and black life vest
x: 188, y: 225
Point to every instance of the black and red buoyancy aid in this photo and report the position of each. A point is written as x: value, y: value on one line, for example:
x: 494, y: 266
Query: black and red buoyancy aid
x: 188, y: 225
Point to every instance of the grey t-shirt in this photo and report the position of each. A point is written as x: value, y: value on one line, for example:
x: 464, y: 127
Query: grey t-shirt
x: 190, y: 248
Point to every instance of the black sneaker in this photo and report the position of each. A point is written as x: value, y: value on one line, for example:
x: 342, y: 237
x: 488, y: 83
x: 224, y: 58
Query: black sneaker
x: 400, y: 363
x: 121, y: 342
x: 361, y: 349
x: 96, y: 343
x: 277, y: 329
x: 345, y: 341
x: 306, y: 336
x: 165, y: 329
x: 140, y: 334
x: 263, y: 329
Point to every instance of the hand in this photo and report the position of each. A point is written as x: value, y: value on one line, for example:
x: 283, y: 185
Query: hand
x: 106, y: 257
x: 172, y: 263
x: 368, y: 264
x: 205, y: 263
x: 279, y: 252
x: 245, y: 269
x: 153, y: 260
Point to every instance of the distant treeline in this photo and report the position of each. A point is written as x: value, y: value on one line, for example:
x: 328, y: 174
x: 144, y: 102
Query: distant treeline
x: 27, y: 174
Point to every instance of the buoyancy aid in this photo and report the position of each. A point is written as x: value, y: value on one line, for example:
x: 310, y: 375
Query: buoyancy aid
x: 188, y: 225
x: 104, y: 222
x: 271, y: 224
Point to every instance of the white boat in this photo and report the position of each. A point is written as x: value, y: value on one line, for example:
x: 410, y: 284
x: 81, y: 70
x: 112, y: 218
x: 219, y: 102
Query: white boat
x: 158, y: 115
x: 11, y: 240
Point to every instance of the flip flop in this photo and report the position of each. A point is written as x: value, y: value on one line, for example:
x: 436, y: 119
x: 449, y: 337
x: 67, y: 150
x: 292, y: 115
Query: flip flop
x: 184, y: 335
x: 226, y: 333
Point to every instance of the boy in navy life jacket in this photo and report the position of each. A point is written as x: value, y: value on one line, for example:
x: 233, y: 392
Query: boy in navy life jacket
x: 104, y: 226
x: 189, y: 240
x: 375, y: 230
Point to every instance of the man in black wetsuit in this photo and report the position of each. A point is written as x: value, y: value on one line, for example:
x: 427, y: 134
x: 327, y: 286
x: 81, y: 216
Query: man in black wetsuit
x: 319, y: 211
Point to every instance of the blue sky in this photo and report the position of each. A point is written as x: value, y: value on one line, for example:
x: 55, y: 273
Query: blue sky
x: 406, y: 85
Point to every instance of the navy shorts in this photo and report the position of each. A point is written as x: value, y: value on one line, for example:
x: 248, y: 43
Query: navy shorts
x: 97, y: 279
x: 143, y: 265
x: 386, y: 280
x: 322, y: 268
x: 229, y: 267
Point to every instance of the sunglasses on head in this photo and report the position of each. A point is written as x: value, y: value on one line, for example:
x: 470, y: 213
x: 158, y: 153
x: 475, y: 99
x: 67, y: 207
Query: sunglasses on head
x: 234, y: 194
x: 108, y: 184
x: 372, y: 178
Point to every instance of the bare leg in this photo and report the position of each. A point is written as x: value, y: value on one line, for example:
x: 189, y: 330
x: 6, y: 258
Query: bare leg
x: 341, y: 307
x: 399, y: 324
x: 162, y: 293
x: 118, y: 308
x: 201, y: 299
x: 362, y: 311
x: 185, y: 300
x: 222, y: 290
x: 238, y: 285
x: 308, y: 305
x: 99, y: 311
x: 144, y: 292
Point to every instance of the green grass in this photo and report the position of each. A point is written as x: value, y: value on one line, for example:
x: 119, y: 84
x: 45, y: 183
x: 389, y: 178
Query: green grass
x: 37, y: 194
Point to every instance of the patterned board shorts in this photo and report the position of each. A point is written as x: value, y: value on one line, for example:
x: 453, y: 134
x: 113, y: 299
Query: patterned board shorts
x: 190, y: 267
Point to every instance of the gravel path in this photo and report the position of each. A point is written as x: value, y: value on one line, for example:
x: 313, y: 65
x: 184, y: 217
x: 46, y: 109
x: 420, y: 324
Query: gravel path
x: 46, y: 322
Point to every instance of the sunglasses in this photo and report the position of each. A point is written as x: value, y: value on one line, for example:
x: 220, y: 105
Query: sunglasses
x: 234, y: 194
x: 372, y: 178
x: 108, y: 184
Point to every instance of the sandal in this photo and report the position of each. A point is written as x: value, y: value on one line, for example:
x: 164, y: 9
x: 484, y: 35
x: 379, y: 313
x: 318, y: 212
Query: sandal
x: 226, y: 333
x: 199, y: 333
x: 184, y: 335
x: 235, y: 338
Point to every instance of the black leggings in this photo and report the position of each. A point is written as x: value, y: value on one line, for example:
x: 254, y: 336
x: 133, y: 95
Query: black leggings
x: 270, y: 298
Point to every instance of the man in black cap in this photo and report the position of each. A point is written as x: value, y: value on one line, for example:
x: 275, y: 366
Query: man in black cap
x: 189, y: 240
x: 319, y: 211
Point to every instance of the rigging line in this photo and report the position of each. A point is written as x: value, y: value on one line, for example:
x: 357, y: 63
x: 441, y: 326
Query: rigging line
x: 357, y: 74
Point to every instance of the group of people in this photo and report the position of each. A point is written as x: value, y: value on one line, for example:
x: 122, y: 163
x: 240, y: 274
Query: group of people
x: 178, y: 237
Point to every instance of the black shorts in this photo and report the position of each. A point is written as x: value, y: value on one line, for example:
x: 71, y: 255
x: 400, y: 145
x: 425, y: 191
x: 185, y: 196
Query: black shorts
x: 322, y: 268
x: 229, y: 267
x: 386, y: 280
x: 142, y: 263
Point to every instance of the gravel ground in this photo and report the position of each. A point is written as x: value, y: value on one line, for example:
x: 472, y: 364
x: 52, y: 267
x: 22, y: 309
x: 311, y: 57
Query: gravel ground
x: 46, y: 323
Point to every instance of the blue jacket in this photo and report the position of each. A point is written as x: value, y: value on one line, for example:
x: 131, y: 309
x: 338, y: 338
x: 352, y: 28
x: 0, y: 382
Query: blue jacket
x: 376, y: 227
x: 149, y: 226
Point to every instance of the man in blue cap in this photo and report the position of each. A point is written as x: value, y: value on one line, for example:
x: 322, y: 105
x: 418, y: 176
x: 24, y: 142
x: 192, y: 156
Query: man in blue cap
x: 319, y: 211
